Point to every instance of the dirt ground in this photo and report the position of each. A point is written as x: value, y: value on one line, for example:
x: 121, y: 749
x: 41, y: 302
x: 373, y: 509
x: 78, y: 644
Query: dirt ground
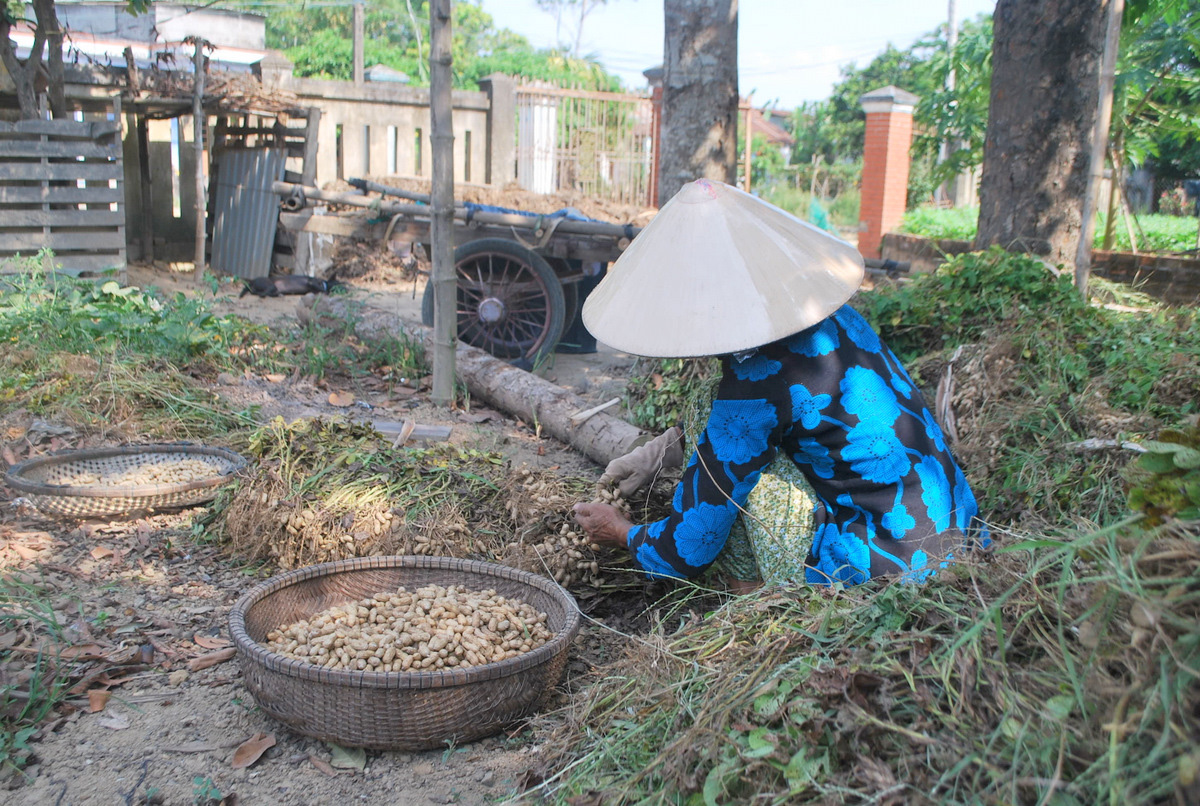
x: 149, y: 598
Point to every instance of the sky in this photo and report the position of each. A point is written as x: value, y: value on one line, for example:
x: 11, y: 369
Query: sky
x: 789, y: 51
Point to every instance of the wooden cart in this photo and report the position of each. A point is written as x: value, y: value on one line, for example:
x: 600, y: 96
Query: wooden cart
x: 518, y: 272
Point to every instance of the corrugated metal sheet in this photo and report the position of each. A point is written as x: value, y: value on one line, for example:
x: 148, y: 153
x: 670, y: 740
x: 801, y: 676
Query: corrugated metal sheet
x: 246, y: 211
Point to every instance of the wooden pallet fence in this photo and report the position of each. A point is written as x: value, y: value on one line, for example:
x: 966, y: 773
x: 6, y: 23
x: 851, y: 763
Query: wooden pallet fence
x: 61, y: 188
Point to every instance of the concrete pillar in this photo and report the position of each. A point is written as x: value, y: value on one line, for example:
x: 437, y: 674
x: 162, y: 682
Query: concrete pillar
x: 501, y: 161
x: 273, y: 70
x: 885, y: 164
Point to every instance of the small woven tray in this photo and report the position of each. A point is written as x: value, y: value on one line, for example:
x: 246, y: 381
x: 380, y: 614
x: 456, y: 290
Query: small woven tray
x: 396, y: 710
x: 41, y: 480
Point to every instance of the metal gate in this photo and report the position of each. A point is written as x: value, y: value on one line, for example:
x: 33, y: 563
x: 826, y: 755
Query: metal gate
x: 597, y: 143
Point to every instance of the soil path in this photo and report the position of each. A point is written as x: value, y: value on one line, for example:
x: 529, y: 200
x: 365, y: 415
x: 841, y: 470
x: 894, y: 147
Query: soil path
x: 152, y: 588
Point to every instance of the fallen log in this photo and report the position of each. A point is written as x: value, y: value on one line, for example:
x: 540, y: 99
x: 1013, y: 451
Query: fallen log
x: 522, y: 394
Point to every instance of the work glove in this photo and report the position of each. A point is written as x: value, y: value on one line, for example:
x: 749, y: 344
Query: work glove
x: 639, y: 467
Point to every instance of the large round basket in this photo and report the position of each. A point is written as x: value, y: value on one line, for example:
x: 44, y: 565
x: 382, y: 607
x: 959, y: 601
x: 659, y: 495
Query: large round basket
x: 46, y: 480
x: 397, y: 710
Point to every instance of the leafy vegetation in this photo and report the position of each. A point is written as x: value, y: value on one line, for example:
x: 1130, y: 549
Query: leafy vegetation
x: 1036, y: 383
x: 100, y: 355
x: 317, y: 39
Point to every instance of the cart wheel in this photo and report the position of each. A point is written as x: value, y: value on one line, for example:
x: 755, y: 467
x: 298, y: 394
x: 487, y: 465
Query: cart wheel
x: 510, y: 301
x: 571, y: 304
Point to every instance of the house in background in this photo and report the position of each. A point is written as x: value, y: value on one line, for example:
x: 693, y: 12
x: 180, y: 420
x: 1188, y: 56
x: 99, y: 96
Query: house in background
x: 768, y: 124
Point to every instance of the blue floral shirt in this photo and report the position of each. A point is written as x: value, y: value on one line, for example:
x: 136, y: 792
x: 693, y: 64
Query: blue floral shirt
x: 892, y: 500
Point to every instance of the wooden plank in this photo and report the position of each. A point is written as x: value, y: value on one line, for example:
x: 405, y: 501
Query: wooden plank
x: 348, y: 226
x: 41, y: 194
x: 266, y: 131
x: 61, y: 171
x: 62, y: 218
x: 90, y: 130
x: 64, y: 149
x: 70, y: 239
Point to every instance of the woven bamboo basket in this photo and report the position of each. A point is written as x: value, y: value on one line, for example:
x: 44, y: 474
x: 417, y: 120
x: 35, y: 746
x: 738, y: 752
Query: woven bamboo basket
x: 396, y: 710
x: 45, y: 481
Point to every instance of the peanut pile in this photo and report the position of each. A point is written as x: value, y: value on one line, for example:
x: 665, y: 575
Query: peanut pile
x: 181, y: 472
x: 431, y: 628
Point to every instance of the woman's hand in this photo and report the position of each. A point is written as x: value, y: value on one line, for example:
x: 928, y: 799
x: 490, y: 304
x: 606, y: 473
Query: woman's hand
x: 604, y: 524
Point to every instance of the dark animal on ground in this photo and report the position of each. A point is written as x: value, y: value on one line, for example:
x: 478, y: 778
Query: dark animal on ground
x: 288, y: 284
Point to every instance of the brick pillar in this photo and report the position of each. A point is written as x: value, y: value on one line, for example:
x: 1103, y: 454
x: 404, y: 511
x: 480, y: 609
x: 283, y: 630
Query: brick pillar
x: 885, y: 164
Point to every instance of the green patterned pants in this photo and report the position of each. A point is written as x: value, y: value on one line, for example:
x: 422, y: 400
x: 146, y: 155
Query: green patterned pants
x: 772, y: 536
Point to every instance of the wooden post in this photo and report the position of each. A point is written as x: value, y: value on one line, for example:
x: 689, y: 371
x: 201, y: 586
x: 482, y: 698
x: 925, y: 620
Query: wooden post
x: 749, y: 146
x: 143, y: 151
x: 308, y: 173
x: 198, y: 135
x: 1112, y: 42
x: 357, y: 45
x: 445, y: 325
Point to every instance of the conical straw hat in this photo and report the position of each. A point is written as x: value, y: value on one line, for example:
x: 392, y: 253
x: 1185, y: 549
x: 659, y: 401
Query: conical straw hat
x: 718, y: 271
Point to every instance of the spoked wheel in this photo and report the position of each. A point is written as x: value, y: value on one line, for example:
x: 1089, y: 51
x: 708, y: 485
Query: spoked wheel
x: 510, y: 302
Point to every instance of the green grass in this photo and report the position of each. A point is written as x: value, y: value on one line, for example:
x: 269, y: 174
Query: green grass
x: 1154, y: 232
x: 840, y: 211
x: 31, y: 686
x: 1057, y: 672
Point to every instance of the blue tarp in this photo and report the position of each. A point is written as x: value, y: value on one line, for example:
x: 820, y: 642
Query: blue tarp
x: 569, y: 213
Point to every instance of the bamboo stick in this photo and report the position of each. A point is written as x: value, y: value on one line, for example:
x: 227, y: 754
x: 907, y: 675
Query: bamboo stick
x: 445, y: 325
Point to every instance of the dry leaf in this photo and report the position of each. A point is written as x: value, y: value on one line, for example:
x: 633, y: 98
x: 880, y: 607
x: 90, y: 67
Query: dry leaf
x: 275, y: 377
x: 25, y: 552
x: 657, y: 380
x: 347, y: 758
x: 211, y: 659
x: 341, y: 399
x: 9, y: 458
x: 321, y: 765
x: 114, y: 722
x: 210, y: 641
x: 100, y: 552
x: 252, y: 749
x: 82, y: 652
x: 97, y: 699
x: 177, y: 677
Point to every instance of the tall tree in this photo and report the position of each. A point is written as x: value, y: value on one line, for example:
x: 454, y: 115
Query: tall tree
x: 45, y: 54
x: 700, y: 94
x: 1044, y: 99
x: 578, y: 9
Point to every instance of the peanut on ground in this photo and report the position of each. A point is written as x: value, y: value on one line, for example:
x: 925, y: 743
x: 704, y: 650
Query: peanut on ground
x: 431, y: 628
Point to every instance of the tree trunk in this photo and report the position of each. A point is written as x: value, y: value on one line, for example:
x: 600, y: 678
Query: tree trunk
x: 700, y: 94
x: 47, y: 20
x: 1045, y: 89
x: 522, y: 394
x: 23, y: 75
x: 445, y: 295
